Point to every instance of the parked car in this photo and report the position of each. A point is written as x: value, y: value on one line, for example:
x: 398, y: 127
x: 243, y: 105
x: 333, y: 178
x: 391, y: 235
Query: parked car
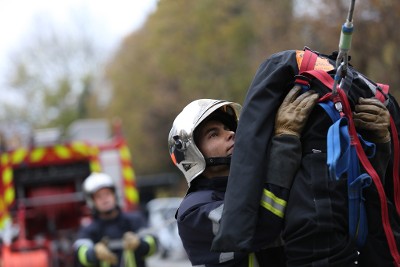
x: 162, y: 222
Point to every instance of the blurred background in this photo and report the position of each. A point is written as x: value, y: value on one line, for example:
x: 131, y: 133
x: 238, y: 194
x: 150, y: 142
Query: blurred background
x: 70, y: 64
x: 141, y: 61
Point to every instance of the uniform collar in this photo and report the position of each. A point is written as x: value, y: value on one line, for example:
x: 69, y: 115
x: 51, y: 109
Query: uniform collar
x: 215, y: 183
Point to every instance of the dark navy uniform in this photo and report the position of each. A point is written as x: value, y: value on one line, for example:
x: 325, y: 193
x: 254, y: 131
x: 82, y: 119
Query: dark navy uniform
x: 113, y: 229
x: 199, y: 214
x: 316, y: 219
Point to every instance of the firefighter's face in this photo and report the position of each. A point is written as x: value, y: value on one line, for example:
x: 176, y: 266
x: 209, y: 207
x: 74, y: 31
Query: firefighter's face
x: 214, y: 139
x: 104, y: 200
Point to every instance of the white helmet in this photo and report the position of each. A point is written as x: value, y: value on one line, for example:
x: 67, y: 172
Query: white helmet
x: 95, y: 182
x: 182, y: 148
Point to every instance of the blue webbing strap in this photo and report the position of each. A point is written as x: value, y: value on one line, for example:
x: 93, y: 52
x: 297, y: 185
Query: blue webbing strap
x: 329, y: 108
x: 342, y: 158
x: 338, y: 149
x: 358, y: 225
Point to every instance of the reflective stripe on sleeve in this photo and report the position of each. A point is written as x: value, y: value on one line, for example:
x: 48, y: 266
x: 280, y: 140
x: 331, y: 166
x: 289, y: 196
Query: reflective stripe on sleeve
x: 253, y: 260
x: 82, y: 256
x: 129, y: 258
x: 152, y: 245
x: 215, y: 216
x: 273, y: 203
x: 226, y: 256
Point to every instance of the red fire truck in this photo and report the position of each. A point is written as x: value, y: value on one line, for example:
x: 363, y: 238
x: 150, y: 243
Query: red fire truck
x: 41, y: 200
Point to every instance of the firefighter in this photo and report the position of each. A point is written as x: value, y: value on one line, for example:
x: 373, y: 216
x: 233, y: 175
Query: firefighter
x: 201, y: 143
x: 99, y: 243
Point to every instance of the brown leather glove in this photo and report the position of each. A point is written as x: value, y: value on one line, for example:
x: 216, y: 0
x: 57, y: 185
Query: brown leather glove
x: 130, y: 241
x: 371, y: 115
x: 293, y: 113
x: 104, y: 254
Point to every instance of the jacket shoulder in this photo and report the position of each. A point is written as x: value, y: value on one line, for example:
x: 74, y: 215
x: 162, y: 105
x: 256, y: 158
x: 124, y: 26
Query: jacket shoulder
x: 194, y: 200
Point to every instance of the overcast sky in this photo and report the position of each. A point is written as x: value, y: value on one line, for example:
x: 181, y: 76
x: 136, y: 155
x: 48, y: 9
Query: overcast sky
x: 116, y: 19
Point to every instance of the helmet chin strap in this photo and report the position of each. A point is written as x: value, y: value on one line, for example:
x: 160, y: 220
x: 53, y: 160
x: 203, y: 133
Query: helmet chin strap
x: 218, y: 161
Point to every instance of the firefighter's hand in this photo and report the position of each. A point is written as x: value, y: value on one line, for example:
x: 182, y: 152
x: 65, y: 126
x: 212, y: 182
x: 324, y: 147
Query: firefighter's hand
x: 104, y: 254
x: 371, y: 115
x: 130, y: 241
x: 293, y: 113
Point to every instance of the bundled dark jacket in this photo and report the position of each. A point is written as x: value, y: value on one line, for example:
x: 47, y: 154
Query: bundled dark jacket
x: 316, y: 222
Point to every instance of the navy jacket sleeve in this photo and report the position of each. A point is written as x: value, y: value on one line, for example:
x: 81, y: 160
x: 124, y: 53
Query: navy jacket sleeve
x: 198, y: 220
x: 84, y: 247
x: 148, y: 242
x: 283, y: 162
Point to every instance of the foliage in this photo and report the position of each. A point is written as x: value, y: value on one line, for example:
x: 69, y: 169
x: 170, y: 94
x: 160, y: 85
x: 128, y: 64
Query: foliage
x: 373, y: 50
x: 211, y: 49
x: 54, y: 74
x: 189, y: 50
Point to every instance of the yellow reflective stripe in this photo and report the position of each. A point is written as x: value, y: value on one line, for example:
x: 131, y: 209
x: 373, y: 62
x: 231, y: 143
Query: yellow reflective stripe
x: 95, y: 166
x: 129, y: 258
x: 2, y: 206
x: 80, y: 147
x: 4, y: 159
x: 18, y: 156
x: 94, y: 162
x: 131, y: 194
x: 9, y: 192
x: 124, y: 153
x: 128, y: 173
x: 62, y: 152
x: 7, y: 175
x: 252, y: 260
x: 273, y: 203
x: 82, y: 256
x: 3, y: 220
x: 251, y: 263
x: 9, y: 195
x: 152, y: 245
x: 37, y: 154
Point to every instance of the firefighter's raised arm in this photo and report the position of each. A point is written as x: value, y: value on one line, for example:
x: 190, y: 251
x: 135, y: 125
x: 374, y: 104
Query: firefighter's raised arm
x: 282, y: 164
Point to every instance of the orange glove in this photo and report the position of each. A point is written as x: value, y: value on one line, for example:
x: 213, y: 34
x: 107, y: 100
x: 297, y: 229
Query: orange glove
x: 293, y: 113
x: 371, y: 115
x: 104, y: 254
x: 130, y: 241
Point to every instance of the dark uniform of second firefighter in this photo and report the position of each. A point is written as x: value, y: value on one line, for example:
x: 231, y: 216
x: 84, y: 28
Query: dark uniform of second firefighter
x: 111, y: 239
x: 201, y: 143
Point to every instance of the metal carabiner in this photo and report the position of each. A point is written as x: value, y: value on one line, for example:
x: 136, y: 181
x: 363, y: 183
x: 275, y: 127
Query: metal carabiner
x: 346, y: 37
